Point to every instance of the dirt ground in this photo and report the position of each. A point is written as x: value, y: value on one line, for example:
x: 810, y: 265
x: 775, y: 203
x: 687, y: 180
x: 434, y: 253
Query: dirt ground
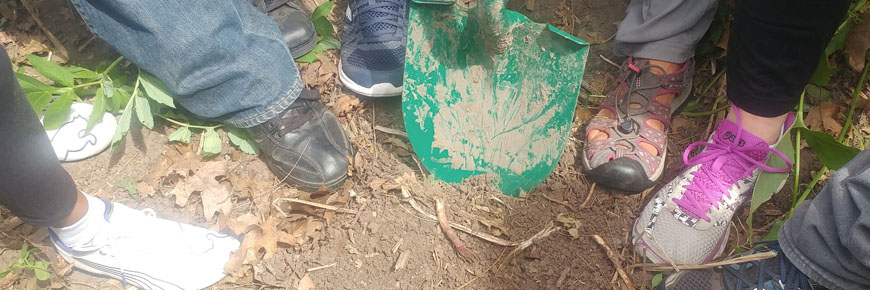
x: 363, y: 248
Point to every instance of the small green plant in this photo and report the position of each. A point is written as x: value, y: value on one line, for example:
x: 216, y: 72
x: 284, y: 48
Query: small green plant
x: 656, y: 280
x: 325, y: 33
x: 112, y: 92
x: 830, y: 150
x: 826, y: 70
x: 27, y: 262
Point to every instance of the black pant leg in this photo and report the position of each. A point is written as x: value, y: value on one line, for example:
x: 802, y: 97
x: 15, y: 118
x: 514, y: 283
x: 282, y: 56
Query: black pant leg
x: 33, y: 185
x: 774, y: 49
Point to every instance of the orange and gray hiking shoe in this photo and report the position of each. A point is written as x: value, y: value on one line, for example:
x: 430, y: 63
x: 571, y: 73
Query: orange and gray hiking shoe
x: 618, y: 161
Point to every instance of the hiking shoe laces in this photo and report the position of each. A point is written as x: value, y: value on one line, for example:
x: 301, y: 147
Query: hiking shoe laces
x: 723, y: 164
x: 380, y: 20
x: 686, y: 222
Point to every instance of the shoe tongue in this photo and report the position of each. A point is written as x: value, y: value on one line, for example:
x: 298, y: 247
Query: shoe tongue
x: 727, y: 133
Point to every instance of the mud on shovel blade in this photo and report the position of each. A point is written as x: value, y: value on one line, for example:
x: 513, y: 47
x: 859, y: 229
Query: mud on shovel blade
x: 488, y: 91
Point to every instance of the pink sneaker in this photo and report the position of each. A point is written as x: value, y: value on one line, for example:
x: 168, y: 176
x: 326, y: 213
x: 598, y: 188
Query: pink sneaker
x: 687, y: 221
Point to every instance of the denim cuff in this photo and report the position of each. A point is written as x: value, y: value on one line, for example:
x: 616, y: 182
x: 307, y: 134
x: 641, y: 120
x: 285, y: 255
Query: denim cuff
x: 274, y: 110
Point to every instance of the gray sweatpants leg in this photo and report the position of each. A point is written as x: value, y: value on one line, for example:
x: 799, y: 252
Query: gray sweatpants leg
x: 666, y: 30
x: 828, y: 239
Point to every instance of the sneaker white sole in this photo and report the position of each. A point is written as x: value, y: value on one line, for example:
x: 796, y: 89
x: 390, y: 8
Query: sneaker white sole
x: 376, y: 91
x: 126, y: 277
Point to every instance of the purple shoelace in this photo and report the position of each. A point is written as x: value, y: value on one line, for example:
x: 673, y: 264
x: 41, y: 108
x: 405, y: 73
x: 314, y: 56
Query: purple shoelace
x: 723, y: 164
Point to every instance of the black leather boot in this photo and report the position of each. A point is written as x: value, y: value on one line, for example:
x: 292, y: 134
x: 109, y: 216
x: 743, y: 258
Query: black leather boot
x: 294, y: 23
x: 305, y: 146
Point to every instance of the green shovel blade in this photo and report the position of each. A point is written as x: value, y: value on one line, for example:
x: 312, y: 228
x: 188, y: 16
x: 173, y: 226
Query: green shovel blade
x: 489, y: 93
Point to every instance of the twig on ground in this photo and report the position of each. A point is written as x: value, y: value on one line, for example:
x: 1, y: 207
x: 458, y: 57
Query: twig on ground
x: 309, y: 270
x: 484, y: 273
x: 374, y: 132
x: 87, y: 42
x: 588, y: 196
x: 549, y: 229
x: 486, y: 237
x: 57, y: 45
x: 310, y: 203
x: 608, y: 60
x: 615, y: 261
x: 464, y: 253
x: 565, y: 203
x: 391, y: 131
x: 402, y: 260
x: 742, y: 259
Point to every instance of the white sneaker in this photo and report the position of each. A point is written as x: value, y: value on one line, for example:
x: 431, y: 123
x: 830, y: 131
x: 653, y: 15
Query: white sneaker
x: 70, y: 142
x: 152, y: 253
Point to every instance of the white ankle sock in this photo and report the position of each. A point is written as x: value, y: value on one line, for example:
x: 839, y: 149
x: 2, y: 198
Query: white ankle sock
x: 80, y: 234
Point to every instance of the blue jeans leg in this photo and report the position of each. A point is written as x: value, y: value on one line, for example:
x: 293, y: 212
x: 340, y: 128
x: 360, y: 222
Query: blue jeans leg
x: 222, y: 59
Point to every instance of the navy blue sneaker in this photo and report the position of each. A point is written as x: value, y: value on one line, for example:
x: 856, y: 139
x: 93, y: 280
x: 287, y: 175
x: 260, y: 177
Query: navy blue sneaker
x: 373, y: 47
x: 777, y: 273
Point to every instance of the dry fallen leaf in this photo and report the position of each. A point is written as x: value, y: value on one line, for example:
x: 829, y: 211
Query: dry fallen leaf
x: 243, y: 224
x: 306, y: 283
x: 857, y: 43
x: 824, y: 118
x: 572, y: 224
x: 263, y: 237
x: 345, y: 104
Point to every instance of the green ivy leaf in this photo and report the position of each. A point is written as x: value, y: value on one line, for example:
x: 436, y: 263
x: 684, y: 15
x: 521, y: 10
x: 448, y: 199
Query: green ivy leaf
x: 41, y: 274
x: 823, y: 72
x: 307, y: 58
x: 182, y: 135
x: 82, y: 73
x: 241, y: 139
x: 51, y: 70
x: 838, y: 41
x: 155, y: 89
x: 322, y: 10
x: 99, y: 109
x: 31, y: 84
x: 121, y: 97
x: 323, y: 26
x: 210, y: 143
x: 833, y: 154
x: 58, y: 111
x: 773, y: 234
x: 143, y: 112
x: 656, y: 280
x: 38, y: 100
x: 329, y: 42
x: 123, y: 123
x: 769, y: 183
x: 108, y: 86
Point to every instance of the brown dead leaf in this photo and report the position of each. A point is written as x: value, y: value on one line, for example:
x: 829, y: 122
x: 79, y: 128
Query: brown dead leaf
x: 345, y: 104
x: 264, y: 237
x: 857, y: 43
x: 377, y: 183
x: 243, y: 224
x: 824, y: 118
x: 328, y: 68
x: 310, y: 73
x: 246, y: 253
x: 581, y: 115
x: 572, y: 224
x: 306, y: 283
